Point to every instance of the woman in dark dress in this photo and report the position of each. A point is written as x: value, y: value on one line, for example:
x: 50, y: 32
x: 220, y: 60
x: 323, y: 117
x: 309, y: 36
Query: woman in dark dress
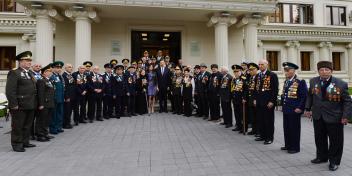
x: 187, y: 92
x: 141, y: 98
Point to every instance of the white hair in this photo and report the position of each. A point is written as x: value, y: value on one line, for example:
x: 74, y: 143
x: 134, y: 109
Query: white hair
x: 263, y: 61
x: 225, y: 69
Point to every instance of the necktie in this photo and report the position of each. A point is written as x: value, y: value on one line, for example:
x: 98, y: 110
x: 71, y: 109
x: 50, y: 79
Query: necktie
x: 162, y: 70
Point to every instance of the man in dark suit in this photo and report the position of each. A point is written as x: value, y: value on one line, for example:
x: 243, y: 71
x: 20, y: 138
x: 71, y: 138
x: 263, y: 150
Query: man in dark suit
x: 164, y: 81
x: 293, y: 103
x: 249, y: 97
x: 265, y: 101
x: 330, y: 105
x: 81, y: 93
x: 203, y: 81
x: 107, y: 91
x: 225, y: 97
x: 70, y: 94
x: 21, y: 93
x: 213, y: 93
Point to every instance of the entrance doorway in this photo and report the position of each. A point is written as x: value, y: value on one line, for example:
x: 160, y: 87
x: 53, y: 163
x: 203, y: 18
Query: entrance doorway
x: 168, y: 42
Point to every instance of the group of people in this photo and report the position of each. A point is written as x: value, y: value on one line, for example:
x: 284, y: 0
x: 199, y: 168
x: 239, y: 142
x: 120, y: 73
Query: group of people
x: 43, y: 99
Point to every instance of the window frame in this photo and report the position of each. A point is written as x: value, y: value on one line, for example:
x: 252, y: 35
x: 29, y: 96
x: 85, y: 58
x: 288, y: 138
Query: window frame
x: 279, y: 14
x: 329, y: 9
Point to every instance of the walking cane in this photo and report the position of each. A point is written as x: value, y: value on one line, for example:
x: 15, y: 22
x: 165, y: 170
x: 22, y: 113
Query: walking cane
x: 244, y: 117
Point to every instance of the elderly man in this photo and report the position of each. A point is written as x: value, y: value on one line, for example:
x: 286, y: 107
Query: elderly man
x: 70, y: 94
x: 21, y: 93
x: 95, y: 107
x: 81, y: 93
x: 225, y: 97
x: 293, y: 102
x: 330, y: 105
x: 37, y: 75
x: 265, y: 101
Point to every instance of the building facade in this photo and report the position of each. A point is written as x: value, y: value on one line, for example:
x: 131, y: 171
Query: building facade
x: 220, y: 31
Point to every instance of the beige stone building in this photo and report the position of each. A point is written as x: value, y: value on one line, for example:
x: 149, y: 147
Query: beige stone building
x: 209, y: 31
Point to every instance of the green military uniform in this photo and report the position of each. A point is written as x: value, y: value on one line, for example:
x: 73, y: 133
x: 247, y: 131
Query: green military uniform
x: 21, y: 93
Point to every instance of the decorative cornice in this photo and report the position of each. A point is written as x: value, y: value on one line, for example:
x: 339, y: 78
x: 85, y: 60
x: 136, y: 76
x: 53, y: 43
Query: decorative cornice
x: 90, y: 14
x: 325, y: 45
x: 293, y: 44
x: 216, y: 19
x: 50, y: 12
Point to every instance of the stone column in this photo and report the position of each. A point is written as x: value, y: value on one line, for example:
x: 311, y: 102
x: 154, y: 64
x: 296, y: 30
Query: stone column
x: 324, y: 51
x: 44, y: 33
x: 83, y: 37
x: 31, y: 39
x: 349, y: 63
x: 292, y: 47
x: 250, y: 26
x: 221, y: 24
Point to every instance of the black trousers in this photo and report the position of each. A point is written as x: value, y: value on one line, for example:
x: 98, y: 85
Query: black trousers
x: 91, y: 106
x: 332, y: 131
x: 204, y: 105
x: 75, y: 105
x: 131, y: 108
x: 33, y: 123
x: 292, y: 131
x: 68, y: 107
x: 119, y: 106
x: 214, y: 106
x: 82, y: 108
x: 107, y: 106
x: 21, y: 124
x: 98, y: 107
x: 141, y: 103
x: 197, y: 102
x: 252, y: 118
x: 177, y: 104
x: 238, y: 112
x: 226, y: 112
x: 162, y: 95
x: 266, y: 121
x: 42, y: 122
x: 187, y: 106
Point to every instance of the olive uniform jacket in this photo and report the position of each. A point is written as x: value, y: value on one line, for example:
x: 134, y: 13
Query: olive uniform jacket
x: 46, y: 92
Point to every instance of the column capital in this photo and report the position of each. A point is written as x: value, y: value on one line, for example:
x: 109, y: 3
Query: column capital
x: 90, y: 14
x: 251, y: 20
x: 29, y: 37
x: 325, y: 44
x: 218, y: 19
x: 259, y: 43
x: 349, y: 46
x: 292, y: 44
x: 46, y: 12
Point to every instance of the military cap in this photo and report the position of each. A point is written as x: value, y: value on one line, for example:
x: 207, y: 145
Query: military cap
x: 119, y: 67
x: 153, y: 58
x: 134, y: 63
x: 289, y: 65
x: 113, y: 61
x: 57, y: 64
x: 131, y: 67
x: 236, y: 67
x: 140, y: 62
x: 214, y: 66
x: 325, y: 64
x: 88, y: 63
x: 167, y: 57
x: 27, y: 55
x: 252, y: 66
x: 108, y: 65
x: 203, y: 65
x: 48, y: 67
x: 244, y: 63
x: 196, y: 67
x: 187, y: 69
x: 125, y: 61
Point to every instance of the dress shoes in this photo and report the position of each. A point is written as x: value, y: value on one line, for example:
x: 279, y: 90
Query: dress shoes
x: 60, y: 131
x: 42, y: 139
x: 333, y: 167
x: 292, y: 151
x: 259, y: 139
x: 18, y: 148
x: 283, y: 148
x: 318, y: 161
x: 268, y: 142
x: 29, y: 145
x: 251, y: 133
x: 228, y: 126
x: 49, y: 137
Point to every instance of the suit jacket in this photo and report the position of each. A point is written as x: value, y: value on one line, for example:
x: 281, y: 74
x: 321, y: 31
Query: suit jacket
x: 267, y: 88
x: 107, y: 84
x: 214, y: 83
x: 70, y: 86
x: 46, y: 93
x: 335, y: 105
x: 164, y: 80
x: 81, y: 83
x: 294, y: 95
x: 225, y: 88
x: 21, y: 90
x: 118, y: 84
x: 203, y: 82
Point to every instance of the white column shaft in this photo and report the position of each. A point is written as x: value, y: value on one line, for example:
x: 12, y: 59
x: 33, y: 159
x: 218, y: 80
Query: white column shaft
x: 44, y: 40
x: 221, y: 44
x: 83, y: 40
x: 291, y: 54
x: 251, y: 42
x: 349, y: 52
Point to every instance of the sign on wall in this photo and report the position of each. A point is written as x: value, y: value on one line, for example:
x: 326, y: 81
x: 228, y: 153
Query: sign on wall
x: 195, y: 48
x: 115, y: 48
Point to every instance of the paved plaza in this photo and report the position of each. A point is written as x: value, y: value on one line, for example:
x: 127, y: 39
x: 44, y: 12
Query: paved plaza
x: 164, y: 144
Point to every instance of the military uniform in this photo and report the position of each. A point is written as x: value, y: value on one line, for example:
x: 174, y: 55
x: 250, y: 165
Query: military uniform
x: 58, y: 114
x: 130, y: 81
x: 107, y: 93
x: 249, y: 97
x: 177, y: 93
x: 97, y: 93
x: 267, y: 91
x: 203, y: 80
x: 37, y: 76
x: 81, y: 90
x: 238, y: 88
x: 187, y: 94
x: 225, y: 98
x: 21, y: 93
x: 213, y: 94
x: 293, y: 97
x: 70, y: 98
x: 196, y: 90
x: 46, y: 104
x: 118, y: 92
x: 331, y: 105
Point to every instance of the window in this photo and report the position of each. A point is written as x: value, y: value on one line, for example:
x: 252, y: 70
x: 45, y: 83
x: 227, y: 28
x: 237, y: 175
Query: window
x: 336, y: 60
x: 293, y: 13
x: 7, y: 57
x: 10, y: 6
x: 273, y: 60
x: 335, y: 16
x: 305, y: 60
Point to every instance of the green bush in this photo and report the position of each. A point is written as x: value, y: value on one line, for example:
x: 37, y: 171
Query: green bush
x: 350, y: 90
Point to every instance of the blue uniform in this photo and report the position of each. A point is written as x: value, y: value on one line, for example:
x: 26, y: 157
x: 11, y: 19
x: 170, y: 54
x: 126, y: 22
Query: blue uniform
x: 58, y: 113
x: 294, y: 96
